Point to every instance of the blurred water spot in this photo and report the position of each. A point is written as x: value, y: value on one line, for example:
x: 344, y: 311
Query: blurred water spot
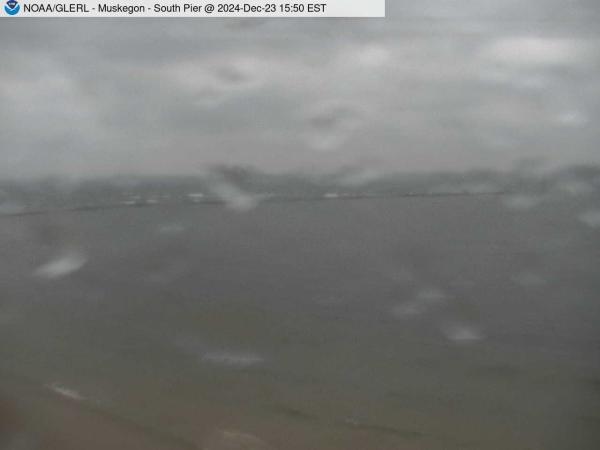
x: 521, y: 202
x: 529, y: 51
x: 574, y: 187
x: 409, y: 309
x: 331, y: 125
x: 65, y: 392
x: 211, y: 83
x: 238, y: 72
x: 424, y: 301
x: 371, y: 56
x: 195, y: 196
x: 233, y: 197
x: 517, y: 79
x: 132, y: 200
x: 62, y: 265
x: 152, y: 200
x: 461, y: 332
x: 590, y: 218
x: 239, y: 360
x: 528, y: 279
x: 234, y: 440
x: 575, y: 119
x: 196, y: 347
x: 170, y: 228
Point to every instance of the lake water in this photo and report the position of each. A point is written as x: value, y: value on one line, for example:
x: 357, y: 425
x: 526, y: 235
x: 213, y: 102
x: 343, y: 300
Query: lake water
x: 467, y: 322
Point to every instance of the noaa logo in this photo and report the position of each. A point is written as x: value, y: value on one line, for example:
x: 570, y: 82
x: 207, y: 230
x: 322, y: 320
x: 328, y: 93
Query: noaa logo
x: 12, y: 7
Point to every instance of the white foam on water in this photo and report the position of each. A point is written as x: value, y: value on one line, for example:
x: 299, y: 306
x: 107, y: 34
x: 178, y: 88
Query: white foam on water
x: 61, y: 266
x: 65, y: 392
x: 234, y: 440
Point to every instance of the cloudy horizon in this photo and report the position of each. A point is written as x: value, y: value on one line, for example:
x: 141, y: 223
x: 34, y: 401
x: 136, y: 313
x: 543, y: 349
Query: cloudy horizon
x: 432, y: 87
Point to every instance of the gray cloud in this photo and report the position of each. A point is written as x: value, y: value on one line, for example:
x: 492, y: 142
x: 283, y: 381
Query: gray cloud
x: 435, y: 86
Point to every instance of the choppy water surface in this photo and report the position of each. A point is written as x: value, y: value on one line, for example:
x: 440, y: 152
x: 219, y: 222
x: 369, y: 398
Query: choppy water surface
x: 412, y: 323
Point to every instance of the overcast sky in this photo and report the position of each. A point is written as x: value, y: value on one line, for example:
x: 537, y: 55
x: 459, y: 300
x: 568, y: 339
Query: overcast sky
x: 438, y: 85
